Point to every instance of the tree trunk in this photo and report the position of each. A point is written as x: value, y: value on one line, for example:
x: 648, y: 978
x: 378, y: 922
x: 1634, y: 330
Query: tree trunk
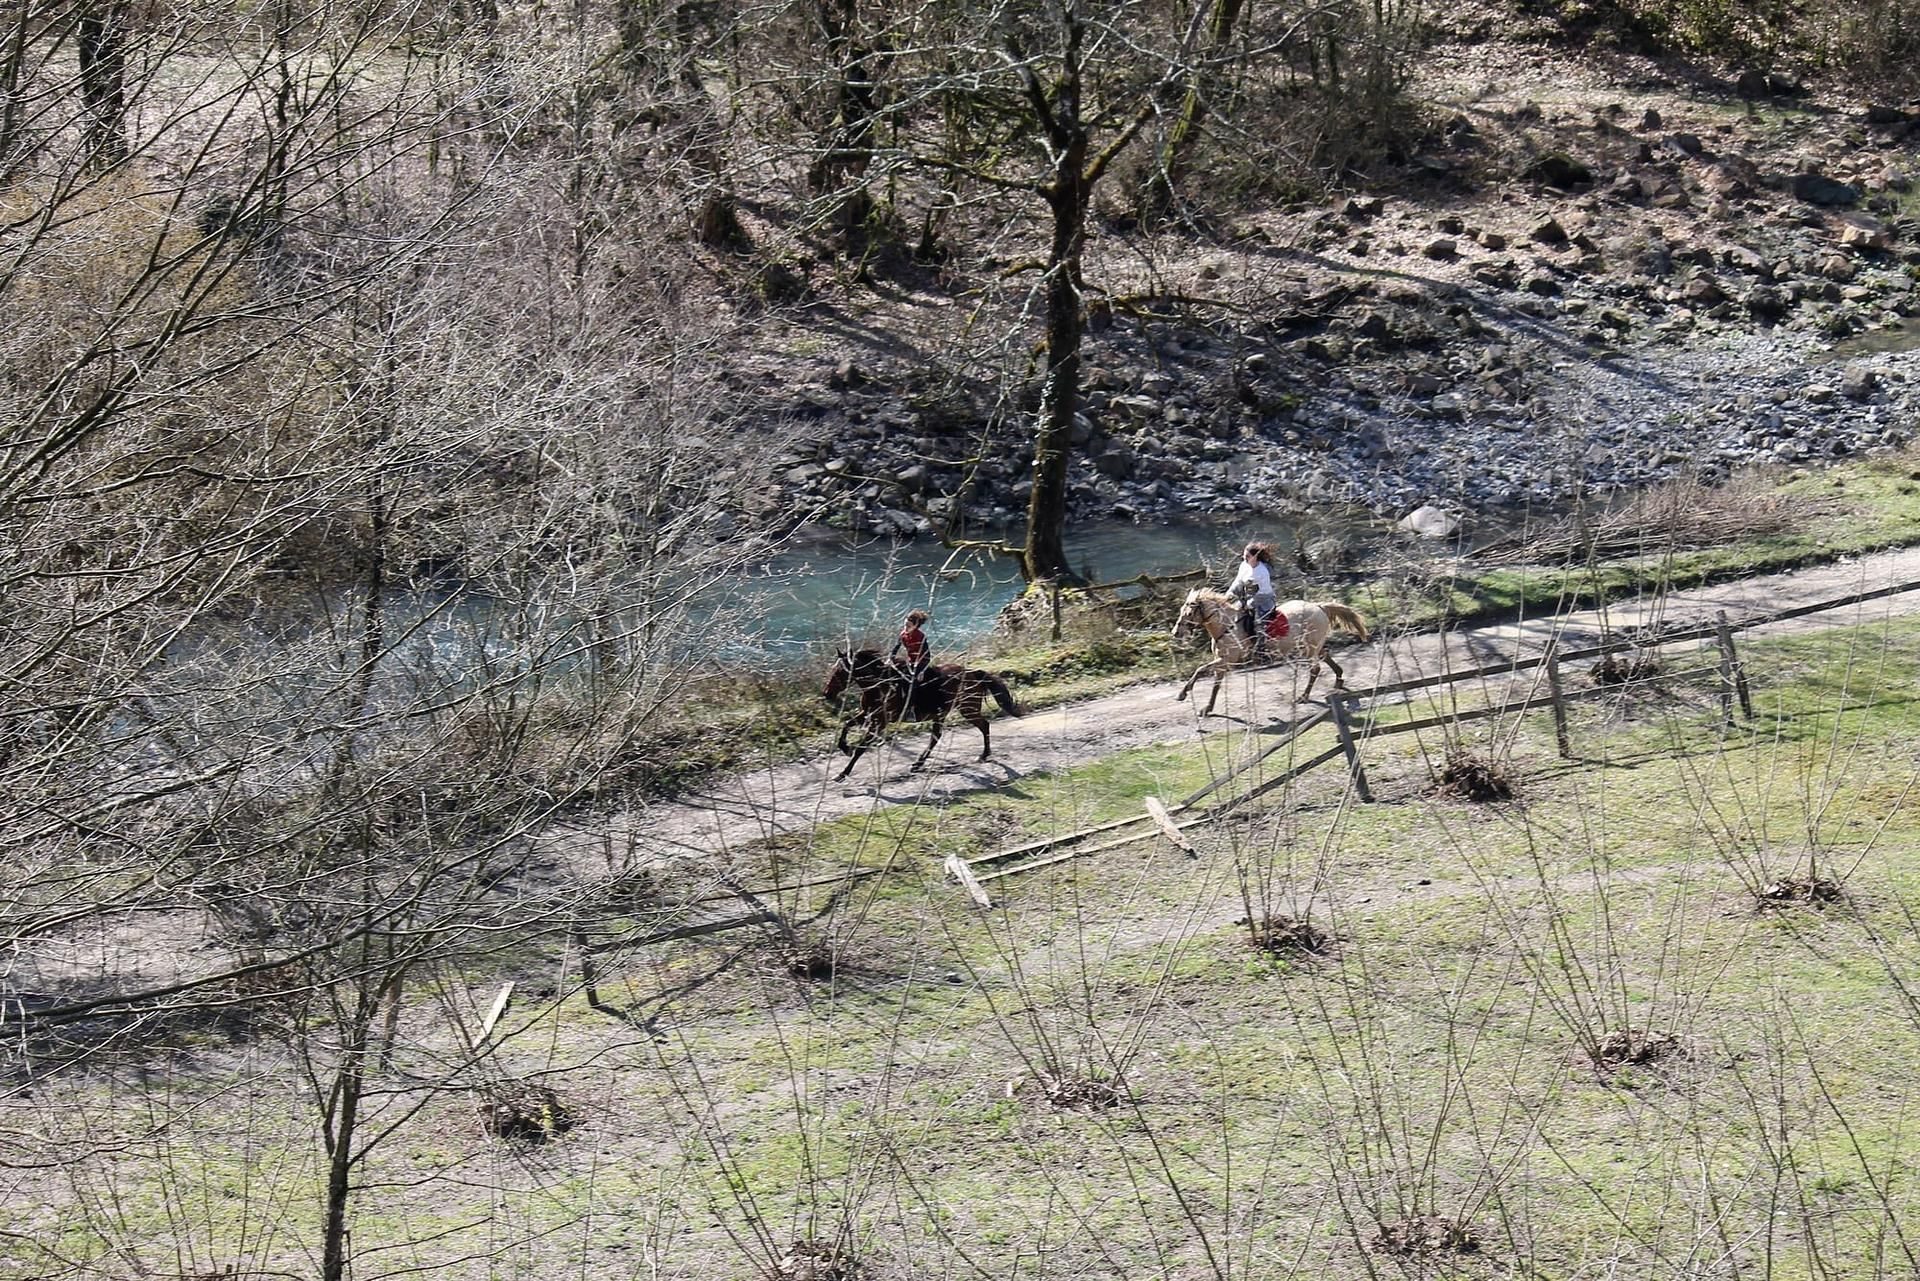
x: 1068, y: 196
x: 1175, y: 150
x: 12, y: 69
x: 103, y: 81
x: 340, y: 1135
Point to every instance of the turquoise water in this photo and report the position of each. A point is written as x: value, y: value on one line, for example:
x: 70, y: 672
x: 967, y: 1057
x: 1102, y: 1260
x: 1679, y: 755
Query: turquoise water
x: 821, y: 595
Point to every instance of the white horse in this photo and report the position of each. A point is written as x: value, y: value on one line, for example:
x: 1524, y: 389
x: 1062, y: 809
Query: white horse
x: 1308, y: 626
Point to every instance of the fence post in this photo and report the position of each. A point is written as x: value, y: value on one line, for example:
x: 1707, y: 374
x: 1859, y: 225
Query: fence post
x: 1055, y: 593
x: 1733, y: 673
x: 1337, y: 702
x: 1559, y: 703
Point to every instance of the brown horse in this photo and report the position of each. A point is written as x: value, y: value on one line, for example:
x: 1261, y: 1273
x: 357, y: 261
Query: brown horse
x: 1308, y: 626
x: 884, y: 700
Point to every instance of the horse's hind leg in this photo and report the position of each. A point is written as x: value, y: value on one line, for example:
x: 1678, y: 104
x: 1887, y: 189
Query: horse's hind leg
x: 979, y: 722
x: 1339, y: 677
x: 1313, y: 674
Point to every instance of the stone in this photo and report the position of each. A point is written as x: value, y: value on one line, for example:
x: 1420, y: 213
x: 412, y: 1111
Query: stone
x: 1626, y: 187
x: 1859, y: 382
x: 1548, y: 232
x: 1863, y: 233
x: 1704, y: 291
x: 1818, y: 394
x: 1368, y: 207
x: 1752, y: 84
x: 1429, y: 521
x: 1768, y: 303
x: 1449, y: 225
x: 1818, y: 189
x: 1741, y: 258
x: 1838, y: 267
x: 1883, y: 114
x: 913, y: 479
x: 1542, y: 284
x: 1115, y: 460
x: 1492, y: 241
x: 1651, y: 120
x: 1442, y: 249
x: 1558, y: 169
x: 1687, y: 144
x: 1501, y: 275
x: 1671, y: 196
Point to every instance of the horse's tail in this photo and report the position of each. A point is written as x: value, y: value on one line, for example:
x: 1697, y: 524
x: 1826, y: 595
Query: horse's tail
x: 1340, y: 616
x: 998, y: 688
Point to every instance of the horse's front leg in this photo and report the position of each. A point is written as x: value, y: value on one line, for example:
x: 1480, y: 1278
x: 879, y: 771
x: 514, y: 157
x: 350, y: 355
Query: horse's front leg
x: 854, y: 753
x: 1313, y: 674
x: 853, y: 758
x: 933, y: 740
x: 1213, y: 695
x: 1191, y: 682
x: 846, y: 726
x: 1339, y: 677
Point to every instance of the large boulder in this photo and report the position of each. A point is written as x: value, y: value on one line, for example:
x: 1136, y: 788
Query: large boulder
x: 1818, y: 189
x: 1429, y: 521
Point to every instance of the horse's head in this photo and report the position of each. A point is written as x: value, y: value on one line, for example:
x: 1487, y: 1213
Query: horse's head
x: 1210, y: 611
x: 837, y: 678
x: 1193, y: 613
x: 862, y: 667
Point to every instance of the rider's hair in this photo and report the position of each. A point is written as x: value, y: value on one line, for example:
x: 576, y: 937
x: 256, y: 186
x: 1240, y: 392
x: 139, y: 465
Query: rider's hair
x: 916, y: 616
x: 1262, y: 552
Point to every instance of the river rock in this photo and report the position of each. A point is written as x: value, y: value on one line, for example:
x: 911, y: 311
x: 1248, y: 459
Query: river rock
x: 1838, y: 267
x: 1768, y: 303
x: 1863, y: 233
x: 1115, y: 461
x: 1557, y: 169
x: 1704, y: 291
x: 1548, y: 232
x: 1859, y: 382
x: 1818, y: 189
x: 1429, y: 521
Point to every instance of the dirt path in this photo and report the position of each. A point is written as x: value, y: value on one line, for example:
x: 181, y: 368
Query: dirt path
x: 746, y: 808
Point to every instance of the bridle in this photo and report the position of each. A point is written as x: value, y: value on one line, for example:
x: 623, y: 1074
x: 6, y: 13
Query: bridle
x: 1196, y: 611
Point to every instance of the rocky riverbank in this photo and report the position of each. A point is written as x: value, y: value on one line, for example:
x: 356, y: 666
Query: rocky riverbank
x: 1574, y: 288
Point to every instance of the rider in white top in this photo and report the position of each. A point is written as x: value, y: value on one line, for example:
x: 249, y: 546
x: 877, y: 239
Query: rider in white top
x: 1255, y: 581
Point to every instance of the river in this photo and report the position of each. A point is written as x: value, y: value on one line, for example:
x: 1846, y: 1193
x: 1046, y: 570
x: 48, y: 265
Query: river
x: 823, y: 593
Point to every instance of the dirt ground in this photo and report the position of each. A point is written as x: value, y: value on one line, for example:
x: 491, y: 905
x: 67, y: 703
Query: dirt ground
x: 737, y: 811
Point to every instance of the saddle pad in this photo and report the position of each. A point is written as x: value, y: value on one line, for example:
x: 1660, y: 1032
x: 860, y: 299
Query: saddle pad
x: 1277, y: 626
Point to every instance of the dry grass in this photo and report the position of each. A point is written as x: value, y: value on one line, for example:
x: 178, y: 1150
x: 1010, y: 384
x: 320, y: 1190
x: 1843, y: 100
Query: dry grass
x: 1680, y: 514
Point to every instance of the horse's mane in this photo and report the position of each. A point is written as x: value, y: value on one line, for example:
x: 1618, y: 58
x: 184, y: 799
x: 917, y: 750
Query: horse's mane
x: 1213, y: 597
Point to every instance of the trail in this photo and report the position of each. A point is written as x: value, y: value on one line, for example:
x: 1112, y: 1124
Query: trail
x: 739, y: 810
